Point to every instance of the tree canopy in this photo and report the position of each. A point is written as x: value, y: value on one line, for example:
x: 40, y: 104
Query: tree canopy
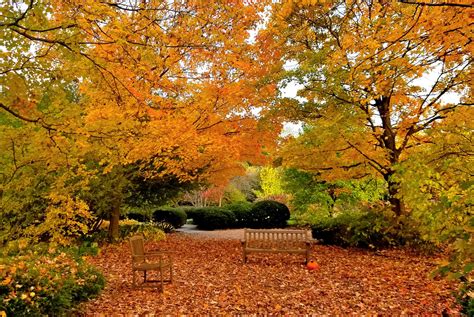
x: 375, y: 79
x: 171, y: 87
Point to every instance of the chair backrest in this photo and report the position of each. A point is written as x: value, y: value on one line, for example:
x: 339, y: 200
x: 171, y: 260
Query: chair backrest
x: 138, y: 249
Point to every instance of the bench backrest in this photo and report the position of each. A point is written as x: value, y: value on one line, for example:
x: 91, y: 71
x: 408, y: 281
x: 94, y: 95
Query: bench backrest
x: 277, y: 238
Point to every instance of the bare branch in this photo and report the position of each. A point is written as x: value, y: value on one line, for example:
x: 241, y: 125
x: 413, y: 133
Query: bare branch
x: 441, y: 4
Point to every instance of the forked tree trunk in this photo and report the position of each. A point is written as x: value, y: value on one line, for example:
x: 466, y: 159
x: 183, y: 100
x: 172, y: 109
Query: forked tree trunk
x: 389, y: 142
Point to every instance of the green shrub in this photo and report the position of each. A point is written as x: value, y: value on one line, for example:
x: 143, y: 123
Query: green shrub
x: 268, y: 214
x: 193, y: 212
x: 242, y: 211
x: 465, y: 297
x: 365, y: 230
x: 211, y: 218
x: 196, y: 214
x: 138, y: 216
x: 333, y: 230
x: 35, y: 284
x: 175, y: 216
x: 460, y: 267
x: 150, y: 231
x: 128, y: 228
x: 221, y: 219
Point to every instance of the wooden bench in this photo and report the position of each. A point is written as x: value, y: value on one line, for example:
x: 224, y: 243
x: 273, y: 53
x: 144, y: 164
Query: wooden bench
x: 277, y: 241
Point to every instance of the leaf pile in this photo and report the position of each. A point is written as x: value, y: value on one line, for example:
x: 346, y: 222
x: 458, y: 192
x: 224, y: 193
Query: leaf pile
x: 211, y: 278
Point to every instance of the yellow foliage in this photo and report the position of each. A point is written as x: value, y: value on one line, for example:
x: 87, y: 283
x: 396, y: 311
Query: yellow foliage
x: 66, y: 219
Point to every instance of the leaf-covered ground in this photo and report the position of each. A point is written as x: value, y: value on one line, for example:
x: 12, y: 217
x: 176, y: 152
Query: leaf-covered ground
x: 211, y: 278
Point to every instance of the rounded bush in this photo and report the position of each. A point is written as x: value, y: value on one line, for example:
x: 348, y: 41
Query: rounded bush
x: 242, y: 211
x: 268, y: 214
x: 174, y: 216
x: 213, y: 218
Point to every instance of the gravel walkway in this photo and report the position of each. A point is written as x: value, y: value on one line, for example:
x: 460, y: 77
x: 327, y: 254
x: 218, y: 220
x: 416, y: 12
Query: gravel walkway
x: 228, y: 234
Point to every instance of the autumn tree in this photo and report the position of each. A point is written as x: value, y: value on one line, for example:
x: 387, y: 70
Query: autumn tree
x: 271, y: 184
x: 375, y: 78
x: 437, y: 179
x: 170, y: 86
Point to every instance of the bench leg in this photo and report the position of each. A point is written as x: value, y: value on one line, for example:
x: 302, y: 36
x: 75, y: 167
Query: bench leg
x: 161, y: 280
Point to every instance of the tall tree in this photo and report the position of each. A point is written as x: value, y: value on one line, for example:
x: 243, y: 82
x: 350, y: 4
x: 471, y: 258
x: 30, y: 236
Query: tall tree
x: 375, y: 75
x: 172, y: 86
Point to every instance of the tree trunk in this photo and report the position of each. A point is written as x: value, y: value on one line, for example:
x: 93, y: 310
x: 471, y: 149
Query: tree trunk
x: 397, y: 204
x: 389, y: 142
x: 114, y: 222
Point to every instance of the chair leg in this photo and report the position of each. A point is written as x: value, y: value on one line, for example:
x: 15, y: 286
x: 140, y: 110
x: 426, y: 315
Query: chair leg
x: 144, y: 276
x: 171, y: 273
x: 134, y: 282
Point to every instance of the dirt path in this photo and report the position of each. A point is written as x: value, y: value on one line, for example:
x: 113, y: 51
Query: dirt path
x: 211, y: 279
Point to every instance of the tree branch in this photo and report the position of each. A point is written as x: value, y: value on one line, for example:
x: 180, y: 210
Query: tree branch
x: 39, y: 121
x: 441, y: 4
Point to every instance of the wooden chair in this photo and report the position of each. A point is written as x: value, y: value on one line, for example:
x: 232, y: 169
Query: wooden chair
x: 142, y: 261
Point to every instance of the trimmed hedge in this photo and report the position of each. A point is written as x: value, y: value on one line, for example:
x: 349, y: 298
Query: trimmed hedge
x: 194, y: 213
x: 264, y: 214
x: 242, y: 211
x: 212, y: 218
x: 174, y: 216
x: 268, y: 214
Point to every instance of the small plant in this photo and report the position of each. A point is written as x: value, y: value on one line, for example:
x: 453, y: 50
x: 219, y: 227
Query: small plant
x: 149, y: 230
x: 36, y: 282
x: 128, y: 228
x: 460, y: 266
x: 164, y: 226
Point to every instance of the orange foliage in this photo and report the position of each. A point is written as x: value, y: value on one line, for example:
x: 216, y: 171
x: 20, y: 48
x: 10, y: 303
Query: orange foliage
x: 172, y: 83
